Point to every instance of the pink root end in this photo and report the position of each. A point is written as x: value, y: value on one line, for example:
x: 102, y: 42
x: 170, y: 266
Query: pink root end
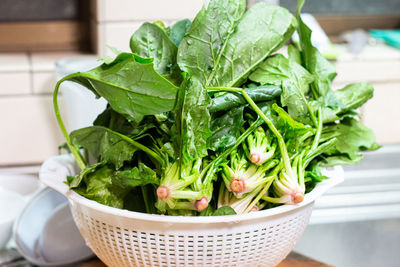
x: 297, y: 197
x: 163, y: 192
x: 237, y: 185
x: 254, y: 208
x: 201, y: 204
x: 255, y: 158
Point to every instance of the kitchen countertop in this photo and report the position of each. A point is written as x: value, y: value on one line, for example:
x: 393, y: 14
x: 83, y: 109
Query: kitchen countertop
x: 293, y: 260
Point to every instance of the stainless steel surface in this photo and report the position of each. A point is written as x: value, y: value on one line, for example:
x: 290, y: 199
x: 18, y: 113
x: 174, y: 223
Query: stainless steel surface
x: 358, y: 222
x: 370, y: 191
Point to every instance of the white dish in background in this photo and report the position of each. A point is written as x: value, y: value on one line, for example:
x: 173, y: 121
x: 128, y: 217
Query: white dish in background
x: 61, y: 226
x: 11, y: 204
x: 45, y: 234
x: 24, y: 184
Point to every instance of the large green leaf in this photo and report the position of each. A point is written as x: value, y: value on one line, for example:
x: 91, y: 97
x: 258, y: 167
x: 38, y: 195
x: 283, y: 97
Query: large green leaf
x: 323, y: 71
x: 295, y: 82
x: 102, y: 143
x: 202, y: 47
x: 351, y: 137
x: 150, y: 41
x: 195, y: 120
x: 223, y: 46
x: 130, y: 85
x: 289, y: 128
x: 354, y: 95
x: 351, y: 97
x: 109, y: 187
x: 226, y: 129
x: 262, y: 30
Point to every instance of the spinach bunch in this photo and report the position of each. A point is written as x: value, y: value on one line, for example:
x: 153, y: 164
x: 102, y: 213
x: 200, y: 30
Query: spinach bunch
x: 207, y: 104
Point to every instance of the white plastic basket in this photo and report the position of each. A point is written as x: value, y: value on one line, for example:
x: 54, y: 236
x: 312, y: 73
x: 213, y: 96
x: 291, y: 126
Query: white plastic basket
x: 125, y: 238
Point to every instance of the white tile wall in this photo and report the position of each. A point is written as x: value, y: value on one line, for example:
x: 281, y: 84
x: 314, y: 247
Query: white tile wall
x: 116, y: 35
x: 43, y: 82
x: 138, y: 10
x: 14, y: 62
x: 14, y: 74
x: 382, y: 112
x: 29, y: 131
x: 15, y: 83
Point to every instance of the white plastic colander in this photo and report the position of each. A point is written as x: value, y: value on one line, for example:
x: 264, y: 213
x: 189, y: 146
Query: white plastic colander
x: 125, y: 238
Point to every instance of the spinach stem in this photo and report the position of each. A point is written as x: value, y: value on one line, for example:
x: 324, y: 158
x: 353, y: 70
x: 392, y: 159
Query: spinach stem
x: 318, y: 134
x: 216, y: 161
x: 74, y: 150
x: 145, y: 149
x: 262, y: 193
x: 271, y: 126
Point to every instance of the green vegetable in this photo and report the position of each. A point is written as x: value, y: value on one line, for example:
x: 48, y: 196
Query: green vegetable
x: 226, y: 129
x: 150, y: 41
x: 203, y: 119
x: 130, y: 85
x: 225, y: 37
x: 178, y: 31
x: 228, y: 101
x: 294, y: 80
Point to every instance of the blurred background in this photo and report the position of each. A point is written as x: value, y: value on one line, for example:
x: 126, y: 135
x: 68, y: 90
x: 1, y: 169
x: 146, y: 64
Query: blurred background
x: 355, y: 224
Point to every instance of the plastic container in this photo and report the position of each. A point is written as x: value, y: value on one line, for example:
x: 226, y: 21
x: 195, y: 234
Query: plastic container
x: 125, y: 238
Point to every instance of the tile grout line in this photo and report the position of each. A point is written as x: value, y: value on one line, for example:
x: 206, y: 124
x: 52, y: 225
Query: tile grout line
x: 29, y: 54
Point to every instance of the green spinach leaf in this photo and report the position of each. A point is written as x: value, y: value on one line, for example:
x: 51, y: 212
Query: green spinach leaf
x: 151, y: 41
x: 110, y: 187
x: 351, y: 137
x: 227, y: 101
x: 201, y: 49
x: 324, y: 72
x: 195, y: 120
x: 262, y: 30
x: 178, y: 31
x: 295, y: 82
x: 105, y: 144
x: 226, y: 129
x: 130, y: 85
x: 354, y: 95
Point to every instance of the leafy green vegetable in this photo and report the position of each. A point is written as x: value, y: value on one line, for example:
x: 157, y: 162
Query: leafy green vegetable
x: 262, y: 30
x: 324, y: 72
x: 110, y: 187
x: 178, y: 31
x: 222, y: 211
x: 226, y: 129
x: 206, y: 105
x: 295, y: 82
x: 228, y: 101
x: 196, y: 120
x: 354, y: 95
x: 130, y: 85
x: 150, y: 41
x: 201, y: 49
x: 224, y: 40
x: 351, y: 137
x: 107, y: 145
